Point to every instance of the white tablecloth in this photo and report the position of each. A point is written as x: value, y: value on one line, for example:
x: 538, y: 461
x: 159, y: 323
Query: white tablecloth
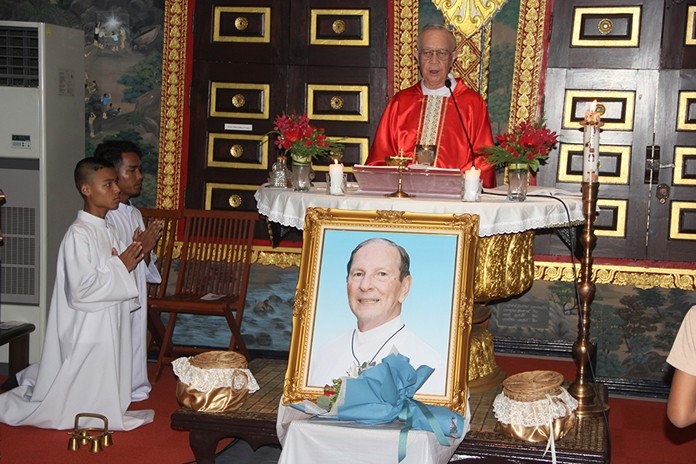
x: 497, y: 215
x: 310, y: 440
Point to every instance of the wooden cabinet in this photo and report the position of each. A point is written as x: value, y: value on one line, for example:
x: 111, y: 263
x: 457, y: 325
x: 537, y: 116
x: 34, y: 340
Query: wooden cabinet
x: 255, y: 59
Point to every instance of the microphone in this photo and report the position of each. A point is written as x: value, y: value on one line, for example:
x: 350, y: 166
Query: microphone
x: 448, y: 84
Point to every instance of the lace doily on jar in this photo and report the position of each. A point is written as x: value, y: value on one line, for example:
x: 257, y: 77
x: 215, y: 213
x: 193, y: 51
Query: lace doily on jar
x: 534, y: 413
x: 205, y: 379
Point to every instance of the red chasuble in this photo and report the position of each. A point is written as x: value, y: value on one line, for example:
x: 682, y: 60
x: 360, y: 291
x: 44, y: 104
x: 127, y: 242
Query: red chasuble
x: 412, y: 118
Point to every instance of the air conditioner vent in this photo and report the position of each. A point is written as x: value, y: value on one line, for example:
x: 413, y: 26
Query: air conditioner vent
x: 19, y: 56
x: 18, y: 255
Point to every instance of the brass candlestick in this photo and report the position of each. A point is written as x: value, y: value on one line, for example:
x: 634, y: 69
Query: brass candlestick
x: 400, y: 161
x: 583, y: 349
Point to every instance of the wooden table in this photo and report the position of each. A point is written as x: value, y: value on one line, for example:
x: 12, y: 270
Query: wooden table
x: 255, y: 423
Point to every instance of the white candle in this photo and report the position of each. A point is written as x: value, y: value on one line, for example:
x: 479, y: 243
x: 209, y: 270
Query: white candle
x: 472, y: 185
x: 590, y: 141
x: 336, y: 178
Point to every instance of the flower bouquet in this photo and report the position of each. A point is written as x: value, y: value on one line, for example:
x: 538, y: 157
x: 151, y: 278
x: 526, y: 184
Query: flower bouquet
x: 527, y: 143
x: 304, y: 142
x: 524, y: 148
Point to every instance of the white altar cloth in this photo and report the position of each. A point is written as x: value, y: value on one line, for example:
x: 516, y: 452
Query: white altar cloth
x: 497, y: 214
x: 309, y: 440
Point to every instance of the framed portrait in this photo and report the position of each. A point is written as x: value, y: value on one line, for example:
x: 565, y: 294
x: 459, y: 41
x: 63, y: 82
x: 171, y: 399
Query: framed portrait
x: 433, y: 325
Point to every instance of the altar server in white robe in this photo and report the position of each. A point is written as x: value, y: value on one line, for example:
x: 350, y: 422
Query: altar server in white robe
x: 128, y: 224
x: 86, y: 361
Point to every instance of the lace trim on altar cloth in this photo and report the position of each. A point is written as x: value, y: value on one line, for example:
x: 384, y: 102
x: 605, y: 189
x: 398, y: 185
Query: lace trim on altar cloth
x: 534, y: 413
x: 205, y: 380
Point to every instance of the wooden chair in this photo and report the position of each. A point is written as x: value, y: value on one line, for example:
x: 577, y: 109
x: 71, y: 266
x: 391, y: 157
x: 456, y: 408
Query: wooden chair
x: 164, y: 250
x: 212, y: 278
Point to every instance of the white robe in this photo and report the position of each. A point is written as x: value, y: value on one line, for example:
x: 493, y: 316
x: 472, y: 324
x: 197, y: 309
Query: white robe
x: 124, y: 221
x: 334, y: 359
x: 86, y: 361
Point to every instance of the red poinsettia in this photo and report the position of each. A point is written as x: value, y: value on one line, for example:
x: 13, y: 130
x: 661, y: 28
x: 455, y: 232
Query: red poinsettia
x: 526, y: 143
x: 298, y: 137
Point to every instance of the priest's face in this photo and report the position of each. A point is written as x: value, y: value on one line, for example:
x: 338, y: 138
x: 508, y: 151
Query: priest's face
x: 375, y: 287
x: 130, y: 176
x: 435, y: 56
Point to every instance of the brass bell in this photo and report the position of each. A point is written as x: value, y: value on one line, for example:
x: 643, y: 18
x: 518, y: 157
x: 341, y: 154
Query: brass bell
x: 107, y: 439
x: 88, y: 435
x: 96, y: 446
x: 84, y: 437
x: 73, y: 443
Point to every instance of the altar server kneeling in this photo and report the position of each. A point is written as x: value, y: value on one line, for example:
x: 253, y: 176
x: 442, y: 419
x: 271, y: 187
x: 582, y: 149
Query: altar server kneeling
x: 86, y: 362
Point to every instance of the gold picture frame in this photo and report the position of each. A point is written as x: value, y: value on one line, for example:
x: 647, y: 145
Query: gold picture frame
x: 442, y: 249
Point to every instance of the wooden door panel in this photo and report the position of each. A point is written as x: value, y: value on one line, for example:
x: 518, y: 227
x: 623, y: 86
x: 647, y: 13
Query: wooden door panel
x: 607, y: 34
x: 254, y: 31
x: 630, y: 100
x: 676, y: 137
x: 346, y: 34
x: 232, y: 108
x: 679, y: 36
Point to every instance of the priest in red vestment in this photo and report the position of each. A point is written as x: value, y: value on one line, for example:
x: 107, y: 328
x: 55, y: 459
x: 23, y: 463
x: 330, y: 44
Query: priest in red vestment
x: 426, y: 114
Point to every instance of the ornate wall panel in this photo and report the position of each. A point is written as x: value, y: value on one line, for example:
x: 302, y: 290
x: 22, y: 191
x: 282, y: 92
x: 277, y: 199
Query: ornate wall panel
x: 601, y: 26
x: 685, y: 166
x: 242, y: 24
x: 615, y: 167
x: 619, y: 108
x: 237, y: 151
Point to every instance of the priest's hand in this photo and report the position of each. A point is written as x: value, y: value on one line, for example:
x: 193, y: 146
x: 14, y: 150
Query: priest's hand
x: 131, y: 256
x: 149, y: 237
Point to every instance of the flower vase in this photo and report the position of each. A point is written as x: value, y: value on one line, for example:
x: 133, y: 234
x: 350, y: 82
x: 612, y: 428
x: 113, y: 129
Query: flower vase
x: 518, y: 180
x: 300, y: 177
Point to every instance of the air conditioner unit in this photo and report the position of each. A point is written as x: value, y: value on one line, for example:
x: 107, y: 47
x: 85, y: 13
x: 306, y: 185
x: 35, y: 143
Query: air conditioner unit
x: 42, y: 137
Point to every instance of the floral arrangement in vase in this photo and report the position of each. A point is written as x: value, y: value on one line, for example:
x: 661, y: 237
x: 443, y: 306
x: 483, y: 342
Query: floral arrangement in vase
x: 301, y: 140
x: 526, y: 144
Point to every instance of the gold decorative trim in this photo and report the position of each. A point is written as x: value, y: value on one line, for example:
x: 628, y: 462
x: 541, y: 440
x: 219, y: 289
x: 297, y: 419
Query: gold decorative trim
x: 640, y: 277
x: 468, y: 17
x: 361, y: 90
x: 404, y: 36
x: 605, y: 26
x: 336, y: 27
x: 529, y: 54
x: 265, y: 97
x: 281, y: 257
x: 621, y: 213
x: 473, y: 59
x: 676, y: 210
x: 173, y: 104
x: 633, y: 11
x: 685, y: 100
x: 680, y: 156
x: 574, y: 110
x: 690, y: 20
x: 210, y: 186
x: 623, y: 154
x: 241, y: 24
x: 263, y: 165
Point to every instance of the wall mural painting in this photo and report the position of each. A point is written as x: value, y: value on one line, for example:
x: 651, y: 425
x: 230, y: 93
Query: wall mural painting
x: 123, y: 69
